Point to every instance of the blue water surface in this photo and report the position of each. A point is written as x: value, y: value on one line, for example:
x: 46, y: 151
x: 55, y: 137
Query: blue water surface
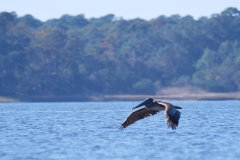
x: 89, y: 130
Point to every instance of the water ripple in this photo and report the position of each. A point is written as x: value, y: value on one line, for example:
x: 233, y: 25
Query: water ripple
x: 89, y: 130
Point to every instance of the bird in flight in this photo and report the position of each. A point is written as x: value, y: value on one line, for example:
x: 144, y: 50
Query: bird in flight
x: 152, y: 107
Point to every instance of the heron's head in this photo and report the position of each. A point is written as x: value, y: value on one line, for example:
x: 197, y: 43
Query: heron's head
x: 145, y: 102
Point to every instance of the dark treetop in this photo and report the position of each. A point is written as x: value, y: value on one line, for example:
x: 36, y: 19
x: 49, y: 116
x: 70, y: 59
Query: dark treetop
x: 109, y: 55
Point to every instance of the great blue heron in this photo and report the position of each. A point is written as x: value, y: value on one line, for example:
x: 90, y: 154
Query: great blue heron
x: 153, y: 107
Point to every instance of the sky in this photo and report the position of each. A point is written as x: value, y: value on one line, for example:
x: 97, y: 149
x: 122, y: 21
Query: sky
x: 127, y: 9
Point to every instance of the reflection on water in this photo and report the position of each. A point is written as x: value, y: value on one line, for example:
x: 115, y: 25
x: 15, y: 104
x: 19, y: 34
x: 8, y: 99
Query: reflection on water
x: 207, y: 130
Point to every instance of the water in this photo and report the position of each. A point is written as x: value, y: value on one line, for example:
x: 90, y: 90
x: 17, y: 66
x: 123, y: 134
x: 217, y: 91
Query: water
x: 89, y: 130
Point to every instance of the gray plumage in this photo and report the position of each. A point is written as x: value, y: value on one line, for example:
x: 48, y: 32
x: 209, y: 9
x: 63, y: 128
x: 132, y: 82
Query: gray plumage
x: 172, y: 115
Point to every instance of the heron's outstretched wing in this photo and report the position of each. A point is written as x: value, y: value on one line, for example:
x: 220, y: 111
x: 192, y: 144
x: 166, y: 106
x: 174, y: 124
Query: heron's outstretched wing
x: 137, y: 115
x: 172, y: 116
x: 171, y: 113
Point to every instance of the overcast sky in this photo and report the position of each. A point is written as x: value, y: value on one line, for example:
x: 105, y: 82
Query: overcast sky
x: 127, y: 9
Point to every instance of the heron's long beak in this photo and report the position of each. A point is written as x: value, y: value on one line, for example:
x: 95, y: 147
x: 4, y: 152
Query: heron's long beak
x: 141, y: 104
x: 177, y: 107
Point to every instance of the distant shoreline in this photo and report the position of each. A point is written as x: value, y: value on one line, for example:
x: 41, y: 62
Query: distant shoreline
x: 76, y: 98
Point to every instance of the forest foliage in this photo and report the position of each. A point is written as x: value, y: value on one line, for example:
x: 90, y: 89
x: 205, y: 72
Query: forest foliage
x: 73, y: 55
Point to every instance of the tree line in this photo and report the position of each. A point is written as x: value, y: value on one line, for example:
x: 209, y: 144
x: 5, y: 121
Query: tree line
x: 73, y: 55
